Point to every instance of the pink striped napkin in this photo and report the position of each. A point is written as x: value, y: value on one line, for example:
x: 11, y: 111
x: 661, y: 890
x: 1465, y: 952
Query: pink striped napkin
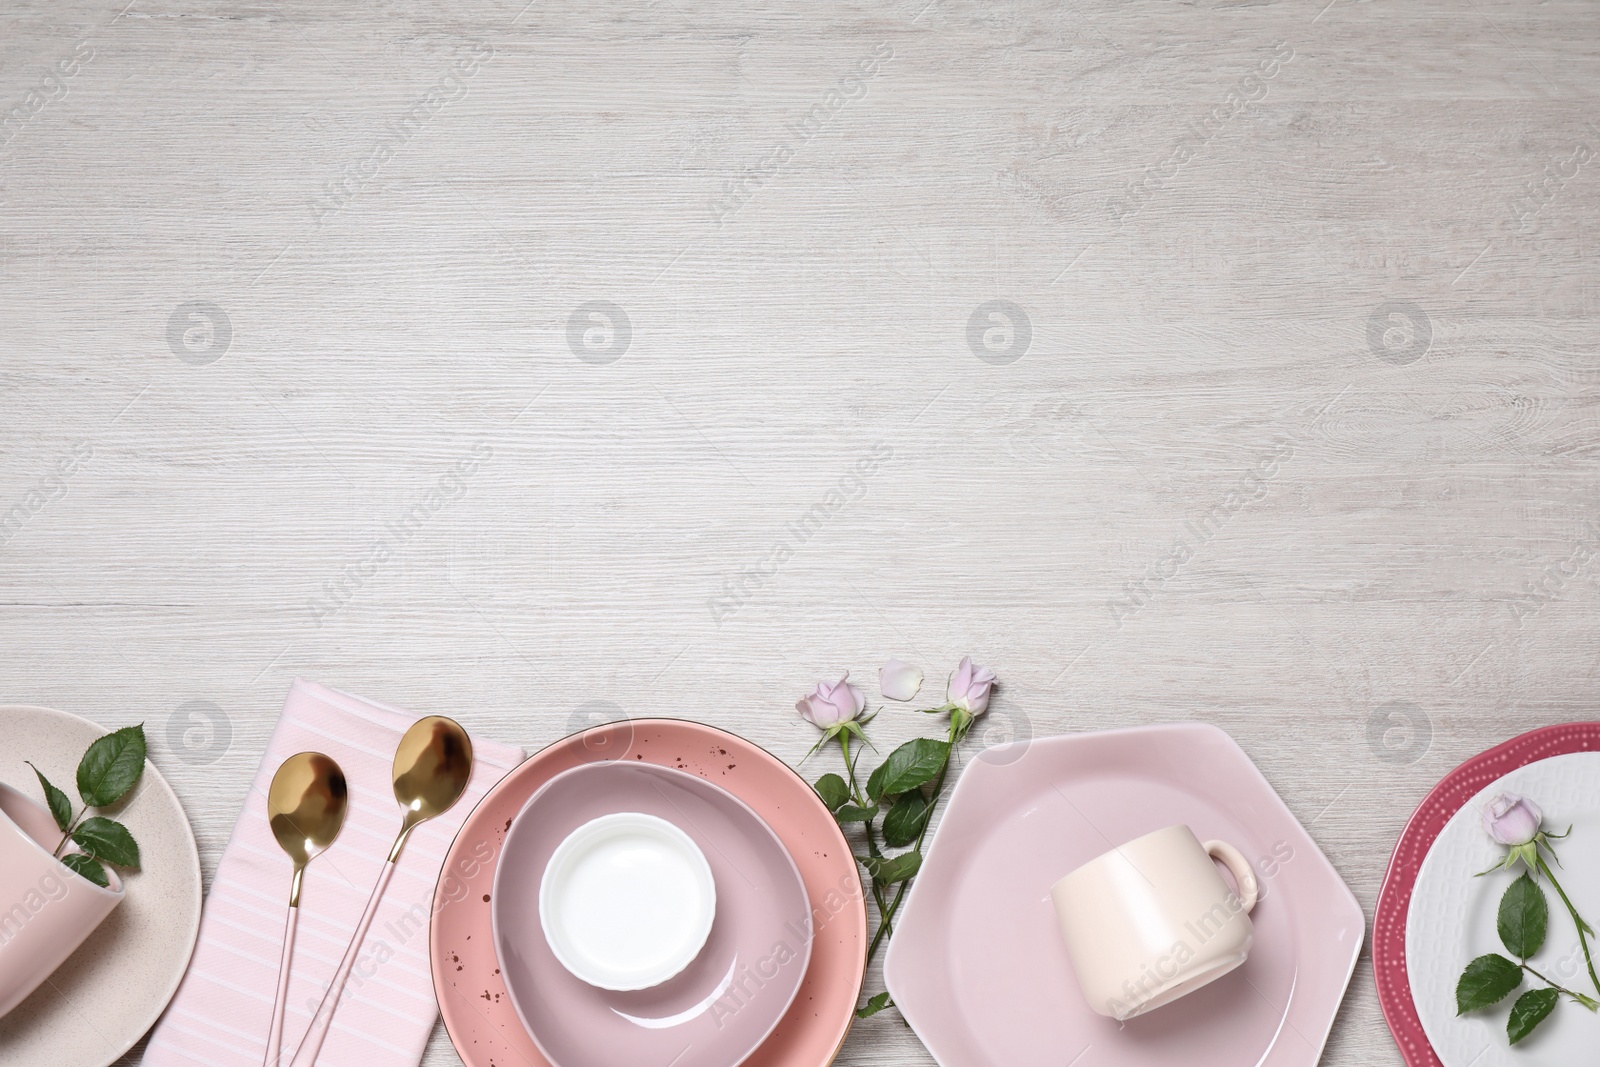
x: 220, y: 1015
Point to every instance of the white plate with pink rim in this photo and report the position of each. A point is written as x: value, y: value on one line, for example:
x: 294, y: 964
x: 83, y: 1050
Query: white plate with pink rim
x: 1452, y: 921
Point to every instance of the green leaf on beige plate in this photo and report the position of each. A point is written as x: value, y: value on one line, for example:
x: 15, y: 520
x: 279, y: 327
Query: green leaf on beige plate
x: 88, y: 867
x: 1529, y: 1011
x: 896, y: 869
x: 112, y: 766
x: 873, y: 1006
x: 60, y: 803
x: 1524, y: 918
x: 834, y: 793
x: 1487, y: 980
x: 108, y: 840
x: 913, y: 764
x: 905, y: 820
x: 853, y: 813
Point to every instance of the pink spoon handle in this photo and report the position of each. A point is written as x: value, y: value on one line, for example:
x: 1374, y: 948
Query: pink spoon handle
x: 275, y: 1035
x: 311, y: 1045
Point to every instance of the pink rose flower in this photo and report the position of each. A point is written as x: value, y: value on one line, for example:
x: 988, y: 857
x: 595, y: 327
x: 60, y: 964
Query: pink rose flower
x: 1511, y: 819
x: 832, y: 703
x: 969, y: 687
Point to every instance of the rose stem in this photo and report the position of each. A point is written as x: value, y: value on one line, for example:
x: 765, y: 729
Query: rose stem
x: 1582, y: 926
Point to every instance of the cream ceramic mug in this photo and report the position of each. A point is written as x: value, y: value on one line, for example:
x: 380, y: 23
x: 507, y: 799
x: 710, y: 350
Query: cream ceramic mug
x: 1153, y: 920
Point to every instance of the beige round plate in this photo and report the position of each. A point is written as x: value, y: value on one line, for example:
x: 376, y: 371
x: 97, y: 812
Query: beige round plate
x: 112, y: 990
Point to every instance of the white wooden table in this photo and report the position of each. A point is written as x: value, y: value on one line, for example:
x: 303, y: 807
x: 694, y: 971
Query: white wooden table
x: 271, y: 269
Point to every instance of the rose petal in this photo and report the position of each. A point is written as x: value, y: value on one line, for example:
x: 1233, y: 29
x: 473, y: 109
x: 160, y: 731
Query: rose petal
x: 955, y: 690
x: 898, y: 680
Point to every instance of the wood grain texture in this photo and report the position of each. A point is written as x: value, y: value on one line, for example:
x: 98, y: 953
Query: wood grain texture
x: 799, y: 249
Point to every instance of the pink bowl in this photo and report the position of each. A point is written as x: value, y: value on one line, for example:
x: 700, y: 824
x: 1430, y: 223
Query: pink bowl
x: 738, y: 987
x: 477, y: 1011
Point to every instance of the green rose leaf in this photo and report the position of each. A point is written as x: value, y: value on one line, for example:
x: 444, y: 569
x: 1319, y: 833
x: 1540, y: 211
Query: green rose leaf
x: 1529, y: 1011
x: 88, y: 867
x: 898, y: 869
x: 1524, y: 918
x: 108, y: 840
x: 1487, y: 980
x: 909, y: 766
x: 905, y: 820
x: 853, y: 813
x: 834, y: 793
x: 873, y: 1006
x: 112, y: 766
x: 60, y: 803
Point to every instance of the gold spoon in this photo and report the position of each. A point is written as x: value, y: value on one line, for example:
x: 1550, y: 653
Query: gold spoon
x: 431, y: 769
x: 306, y: 805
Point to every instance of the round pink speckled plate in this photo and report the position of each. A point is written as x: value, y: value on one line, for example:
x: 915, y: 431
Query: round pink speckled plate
x: 724, y: 1003
x: 478, y: 1011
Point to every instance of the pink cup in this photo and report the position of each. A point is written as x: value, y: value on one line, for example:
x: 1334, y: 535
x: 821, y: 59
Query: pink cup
x: 46, y: 910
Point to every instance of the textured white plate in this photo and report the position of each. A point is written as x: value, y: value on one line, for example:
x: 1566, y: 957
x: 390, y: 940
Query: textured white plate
x: 1452, y: 921
x: 109, y: 992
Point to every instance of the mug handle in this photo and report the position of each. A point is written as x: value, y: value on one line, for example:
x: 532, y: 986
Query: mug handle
x: 1239, y: 867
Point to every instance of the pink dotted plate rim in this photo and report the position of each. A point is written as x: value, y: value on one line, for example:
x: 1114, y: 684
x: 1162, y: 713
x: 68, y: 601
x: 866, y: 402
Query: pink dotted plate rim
x: 1424, y: 827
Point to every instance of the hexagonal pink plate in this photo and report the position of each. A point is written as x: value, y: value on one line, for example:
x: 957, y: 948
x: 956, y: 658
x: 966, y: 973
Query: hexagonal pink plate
x: 977, y: 964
